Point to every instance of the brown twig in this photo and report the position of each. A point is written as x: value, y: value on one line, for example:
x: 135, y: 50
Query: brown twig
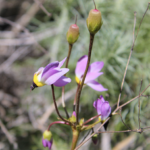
x: 127, y: 62
x: 142, y: 20
x: 91, y: 119
x: 43, y: 8
x: 20, y: 27
x: 10, y: 138
x: 139, y: 105
x: 19, y: 53
x: 123, y: 120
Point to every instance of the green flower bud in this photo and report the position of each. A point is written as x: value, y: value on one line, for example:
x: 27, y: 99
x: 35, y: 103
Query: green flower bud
x: 72, y: 34
x: 94, y: 21
x: 81, y: 122
x: 95, y: 138
x: 47, y: 135
x: 72, y: 119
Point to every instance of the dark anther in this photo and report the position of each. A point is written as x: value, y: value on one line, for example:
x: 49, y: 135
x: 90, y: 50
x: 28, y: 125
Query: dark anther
x: 33, y: 86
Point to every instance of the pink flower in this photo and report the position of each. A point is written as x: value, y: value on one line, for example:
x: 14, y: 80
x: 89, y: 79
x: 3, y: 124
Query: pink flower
x: 92, y: 74
x: 51, y: 74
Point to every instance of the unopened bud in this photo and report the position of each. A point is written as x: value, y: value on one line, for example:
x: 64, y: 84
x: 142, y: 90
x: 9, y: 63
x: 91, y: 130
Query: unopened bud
x: 73, y: 34
x: 94, y: 21
x: 81, y: 122
x: 73, y: 117
x: 95, y: 138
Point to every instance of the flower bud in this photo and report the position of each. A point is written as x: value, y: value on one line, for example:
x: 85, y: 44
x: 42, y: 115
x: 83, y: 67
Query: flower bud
x: 47, y: 139
x: 95, y: 138
x: 94, y: 21
x: 47, y: 135
x: 72, y: 34
x: 73, y: 117
x: 81, y: 122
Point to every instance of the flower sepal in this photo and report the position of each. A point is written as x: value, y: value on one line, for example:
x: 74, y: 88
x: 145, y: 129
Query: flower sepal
x: 73, y: 117
x: 95, y: 138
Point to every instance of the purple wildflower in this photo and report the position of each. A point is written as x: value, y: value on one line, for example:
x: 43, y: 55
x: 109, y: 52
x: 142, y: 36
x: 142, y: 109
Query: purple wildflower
x: 92, y: 74
x: 47, y: 139
x: 102, y: 108
x: 51, y: 74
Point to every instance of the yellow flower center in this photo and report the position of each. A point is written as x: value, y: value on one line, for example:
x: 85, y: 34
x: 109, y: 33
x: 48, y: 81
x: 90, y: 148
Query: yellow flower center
x: 78, y: 80
x: 36, y: 81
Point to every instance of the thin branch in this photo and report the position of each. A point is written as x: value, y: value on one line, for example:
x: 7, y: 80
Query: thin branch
x: 86, y: 136
x: 145, y: 95
x: 123, y: 120
x: 139, y: 105
x: 127, y: 62
x: 19, y: 27
x: 43, y: 8
x: 10, y: 138
x: 91, y: 119
x: 142, y: 20
x: 132, y: 99
x: 92, y: 134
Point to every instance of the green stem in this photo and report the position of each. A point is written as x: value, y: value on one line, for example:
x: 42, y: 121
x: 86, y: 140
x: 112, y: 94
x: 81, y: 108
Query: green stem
x: 75, y: 139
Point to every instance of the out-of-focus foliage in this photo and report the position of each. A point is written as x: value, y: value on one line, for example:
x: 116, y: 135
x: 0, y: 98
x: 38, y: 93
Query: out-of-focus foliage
x: 112, y: 45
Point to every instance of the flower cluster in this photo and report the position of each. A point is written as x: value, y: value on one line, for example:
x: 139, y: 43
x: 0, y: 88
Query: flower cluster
x: 85, y: 74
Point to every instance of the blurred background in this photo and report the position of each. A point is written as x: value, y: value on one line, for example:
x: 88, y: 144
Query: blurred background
x: 33, y: 33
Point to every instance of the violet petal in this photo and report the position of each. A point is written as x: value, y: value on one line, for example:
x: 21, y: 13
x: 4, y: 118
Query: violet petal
x: 81, y: 66
x: 62, y: 81
x: 96, y: 86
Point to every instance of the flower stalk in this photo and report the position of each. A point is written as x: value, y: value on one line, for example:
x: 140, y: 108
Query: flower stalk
x: 75, y: 138
x: 87, y: 66
x: 63, y: 88
x: 54, y: 99
x: 57, y: 122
